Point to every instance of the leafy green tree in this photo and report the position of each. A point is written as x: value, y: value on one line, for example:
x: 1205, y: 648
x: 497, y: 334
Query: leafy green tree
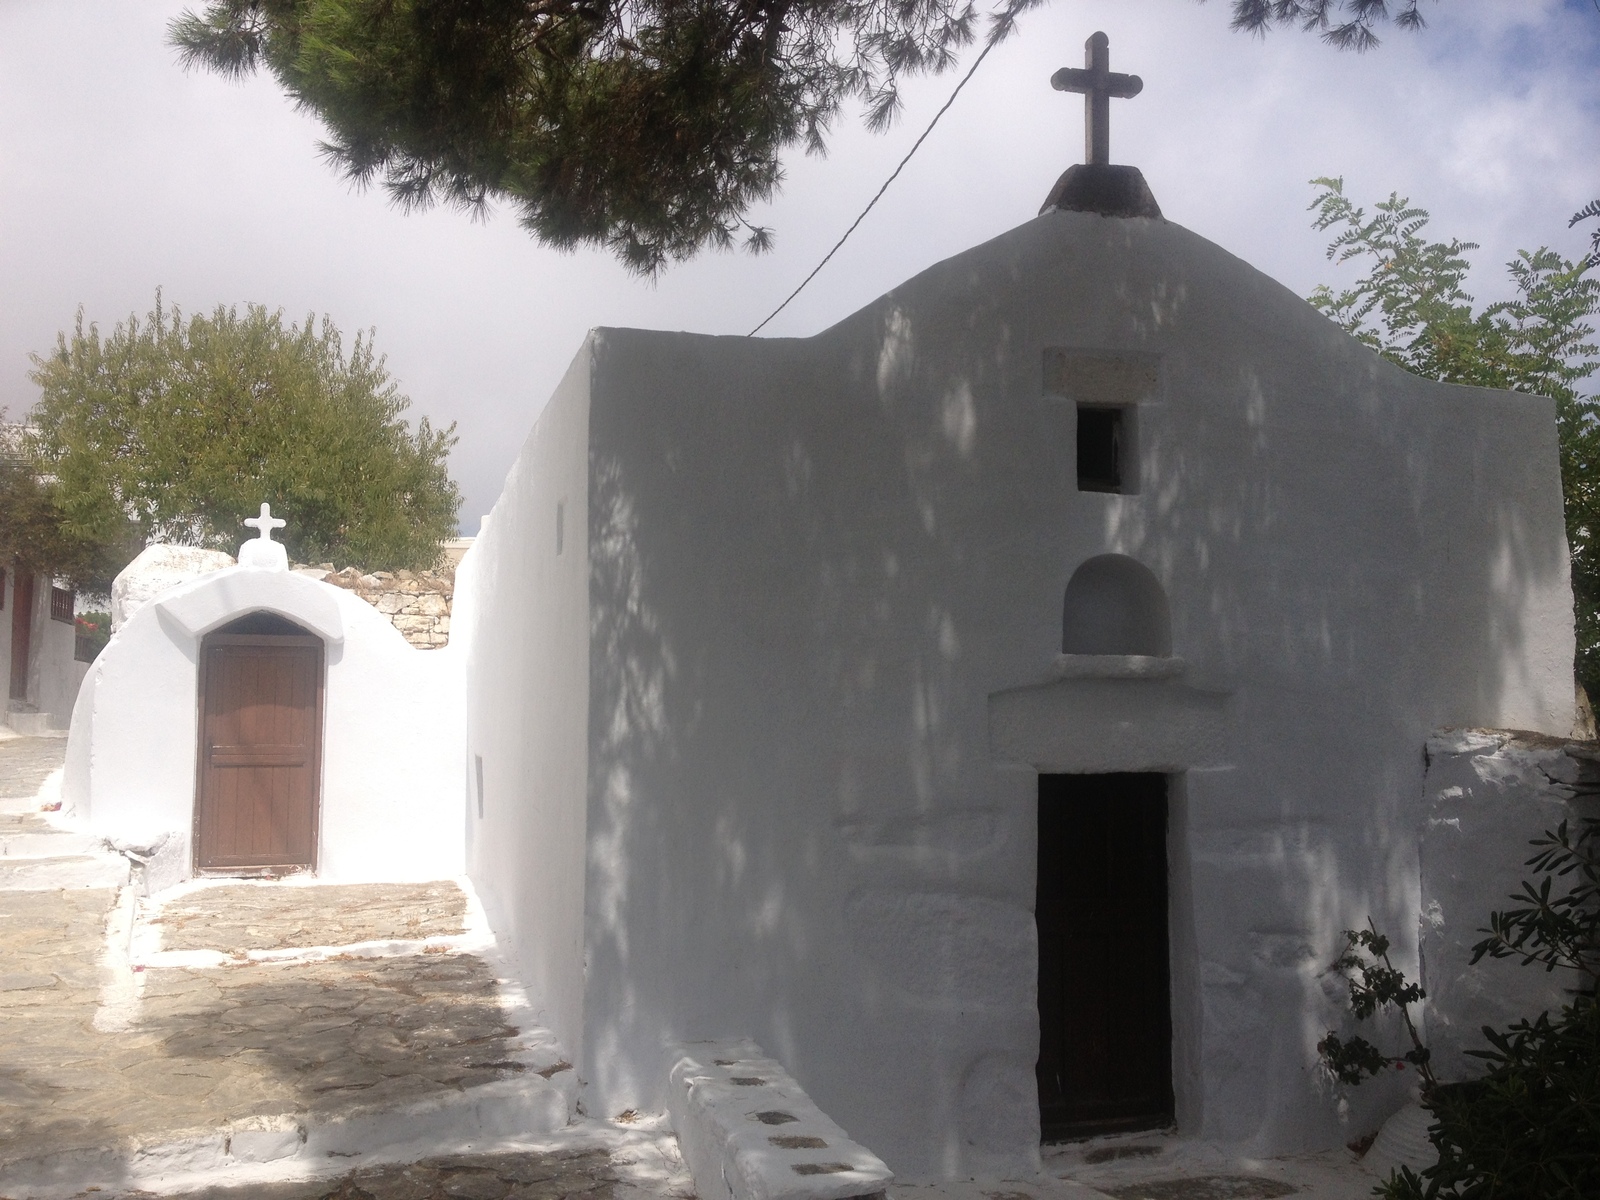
x: 648, y: 127
x: 34, y: 538
x: 1412, y: 307
x: 1587, y: 212
x: 180, y: 427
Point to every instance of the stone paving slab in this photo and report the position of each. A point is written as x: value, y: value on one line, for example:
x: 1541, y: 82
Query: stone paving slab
x: 23, y: 824
x: 526, y: 1175
x: 116, y: 1066
x: 211, y: 1047
x: 30, y: 836
x: 99, y: 1054
x: 44, y: 873
x: 587, y: 1160
x: 1162, y: 1166
x: 235, y: 918
x: 49, y: 943
x: 26, y: 762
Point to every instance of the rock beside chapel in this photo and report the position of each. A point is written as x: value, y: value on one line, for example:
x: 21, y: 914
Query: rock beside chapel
x: 158, y: 568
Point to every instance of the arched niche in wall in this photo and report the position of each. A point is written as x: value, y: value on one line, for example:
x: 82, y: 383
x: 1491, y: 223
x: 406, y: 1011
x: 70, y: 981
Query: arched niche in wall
x: 264, y: 622
x: 1115, y: 605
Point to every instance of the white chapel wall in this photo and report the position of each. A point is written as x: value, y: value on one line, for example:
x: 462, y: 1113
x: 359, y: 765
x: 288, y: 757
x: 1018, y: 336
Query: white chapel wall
x: 812, y: 644
x: 840, y: 548
x: 521, y: 624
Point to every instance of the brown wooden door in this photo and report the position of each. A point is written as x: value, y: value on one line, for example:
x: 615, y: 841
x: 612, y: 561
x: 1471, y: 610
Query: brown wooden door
x: 21, y: 631
x: 1105, y: 1016
x: 260, y: 753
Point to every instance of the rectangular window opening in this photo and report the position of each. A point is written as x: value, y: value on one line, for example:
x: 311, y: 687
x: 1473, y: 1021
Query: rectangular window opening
x: 477, y: 763
x: 1102, y: 435
x: 561, y: 525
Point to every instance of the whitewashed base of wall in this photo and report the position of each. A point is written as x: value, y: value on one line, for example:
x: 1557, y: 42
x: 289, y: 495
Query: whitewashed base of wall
x: 748, y: 1131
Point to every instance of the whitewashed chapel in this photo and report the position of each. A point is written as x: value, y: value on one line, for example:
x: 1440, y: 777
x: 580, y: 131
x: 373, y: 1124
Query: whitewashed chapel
x: 994, y: 705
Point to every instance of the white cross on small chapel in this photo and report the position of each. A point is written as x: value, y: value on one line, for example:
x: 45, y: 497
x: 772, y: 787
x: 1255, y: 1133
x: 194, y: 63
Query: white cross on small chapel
x: 1096, y: 82
x: 261, y: 550
x: 266, y: 523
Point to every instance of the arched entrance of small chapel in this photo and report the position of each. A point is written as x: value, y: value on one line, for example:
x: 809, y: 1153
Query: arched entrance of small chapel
x: 258, y: 788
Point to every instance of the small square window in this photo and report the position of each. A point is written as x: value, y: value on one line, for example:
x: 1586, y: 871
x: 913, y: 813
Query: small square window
x: 1102, y: 435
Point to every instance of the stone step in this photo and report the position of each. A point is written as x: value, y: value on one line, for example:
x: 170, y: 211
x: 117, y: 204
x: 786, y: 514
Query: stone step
x: 51, y: 844
x: 36, y: 724
x: 54, y: 874
x: 749, y: 1132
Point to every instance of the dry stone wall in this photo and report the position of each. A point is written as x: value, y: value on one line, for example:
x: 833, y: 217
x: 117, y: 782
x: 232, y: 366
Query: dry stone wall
x: 416, y: 602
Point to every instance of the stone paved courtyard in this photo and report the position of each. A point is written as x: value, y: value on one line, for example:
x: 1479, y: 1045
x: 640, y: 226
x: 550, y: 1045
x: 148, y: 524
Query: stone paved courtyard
x: 126, y: 1024
x: 208, y: 1047
x: 580, y: 1173
x: 244, y: 917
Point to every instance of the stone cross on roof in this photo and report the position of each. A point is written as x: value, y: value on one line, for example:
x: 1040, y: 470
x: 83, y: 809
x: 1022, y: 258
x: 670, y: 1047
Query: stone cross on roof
x: 1096, y: 82
x: 266, y: 523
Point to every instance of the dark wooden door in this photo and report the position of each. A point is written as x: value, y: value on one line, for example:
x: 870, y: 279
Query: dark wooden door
x: 260, y: 753
x: 21, y: 631
x: 1105, y: 1023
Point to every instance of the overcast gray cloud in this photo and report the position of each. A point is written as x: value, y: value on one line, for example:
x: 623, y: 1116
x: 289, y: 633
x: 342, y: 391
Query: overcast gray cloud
x: 120, y: 173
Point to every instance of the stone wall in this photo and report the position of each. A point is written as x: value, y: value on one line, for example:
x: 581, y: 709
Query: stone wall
x: 416, y: 602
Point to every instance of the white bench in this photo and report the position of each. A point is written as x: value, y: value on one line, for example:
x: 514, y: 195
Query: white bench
x: 748, y: 1131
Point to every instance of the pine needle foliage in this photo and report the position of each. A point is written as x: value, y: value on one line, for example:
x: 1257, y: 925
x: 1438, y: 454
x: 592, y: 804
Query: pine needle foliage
x: 647, y: 127
x: 181, y: 426
x: 1412, y: 306
x: 1347, y: 24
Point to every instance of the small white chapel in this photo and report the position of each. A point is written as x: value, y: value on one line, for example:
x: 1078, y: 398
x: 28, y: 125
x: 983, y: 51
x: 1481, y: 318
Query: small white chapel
x: 994, y: 705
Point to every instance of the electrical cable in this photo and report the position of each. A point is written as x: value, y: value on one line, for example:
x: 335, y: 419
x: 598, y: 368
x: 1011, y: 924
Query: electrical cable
x: 914, y: 146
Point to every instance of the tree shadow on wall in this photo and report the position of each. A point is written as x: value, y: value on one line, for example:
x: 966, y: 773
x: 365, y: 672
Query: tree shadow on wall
x: 814, y: 563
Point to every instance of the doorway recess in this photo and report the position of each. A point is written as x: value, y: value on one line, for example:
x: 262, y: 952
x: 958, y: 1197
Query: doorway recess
x: 1105, y: 1019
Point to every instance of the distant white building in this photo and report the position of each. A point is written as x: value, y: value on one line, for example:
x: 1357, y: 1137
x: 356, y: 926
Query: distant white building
x: 38, y: 650
x: 38, y: 638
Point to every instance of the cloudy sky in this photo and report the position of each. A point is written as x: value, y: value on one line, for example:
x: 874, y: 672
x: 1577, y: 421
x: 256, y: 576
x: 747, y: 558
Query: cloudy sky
x: 119, y: 173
